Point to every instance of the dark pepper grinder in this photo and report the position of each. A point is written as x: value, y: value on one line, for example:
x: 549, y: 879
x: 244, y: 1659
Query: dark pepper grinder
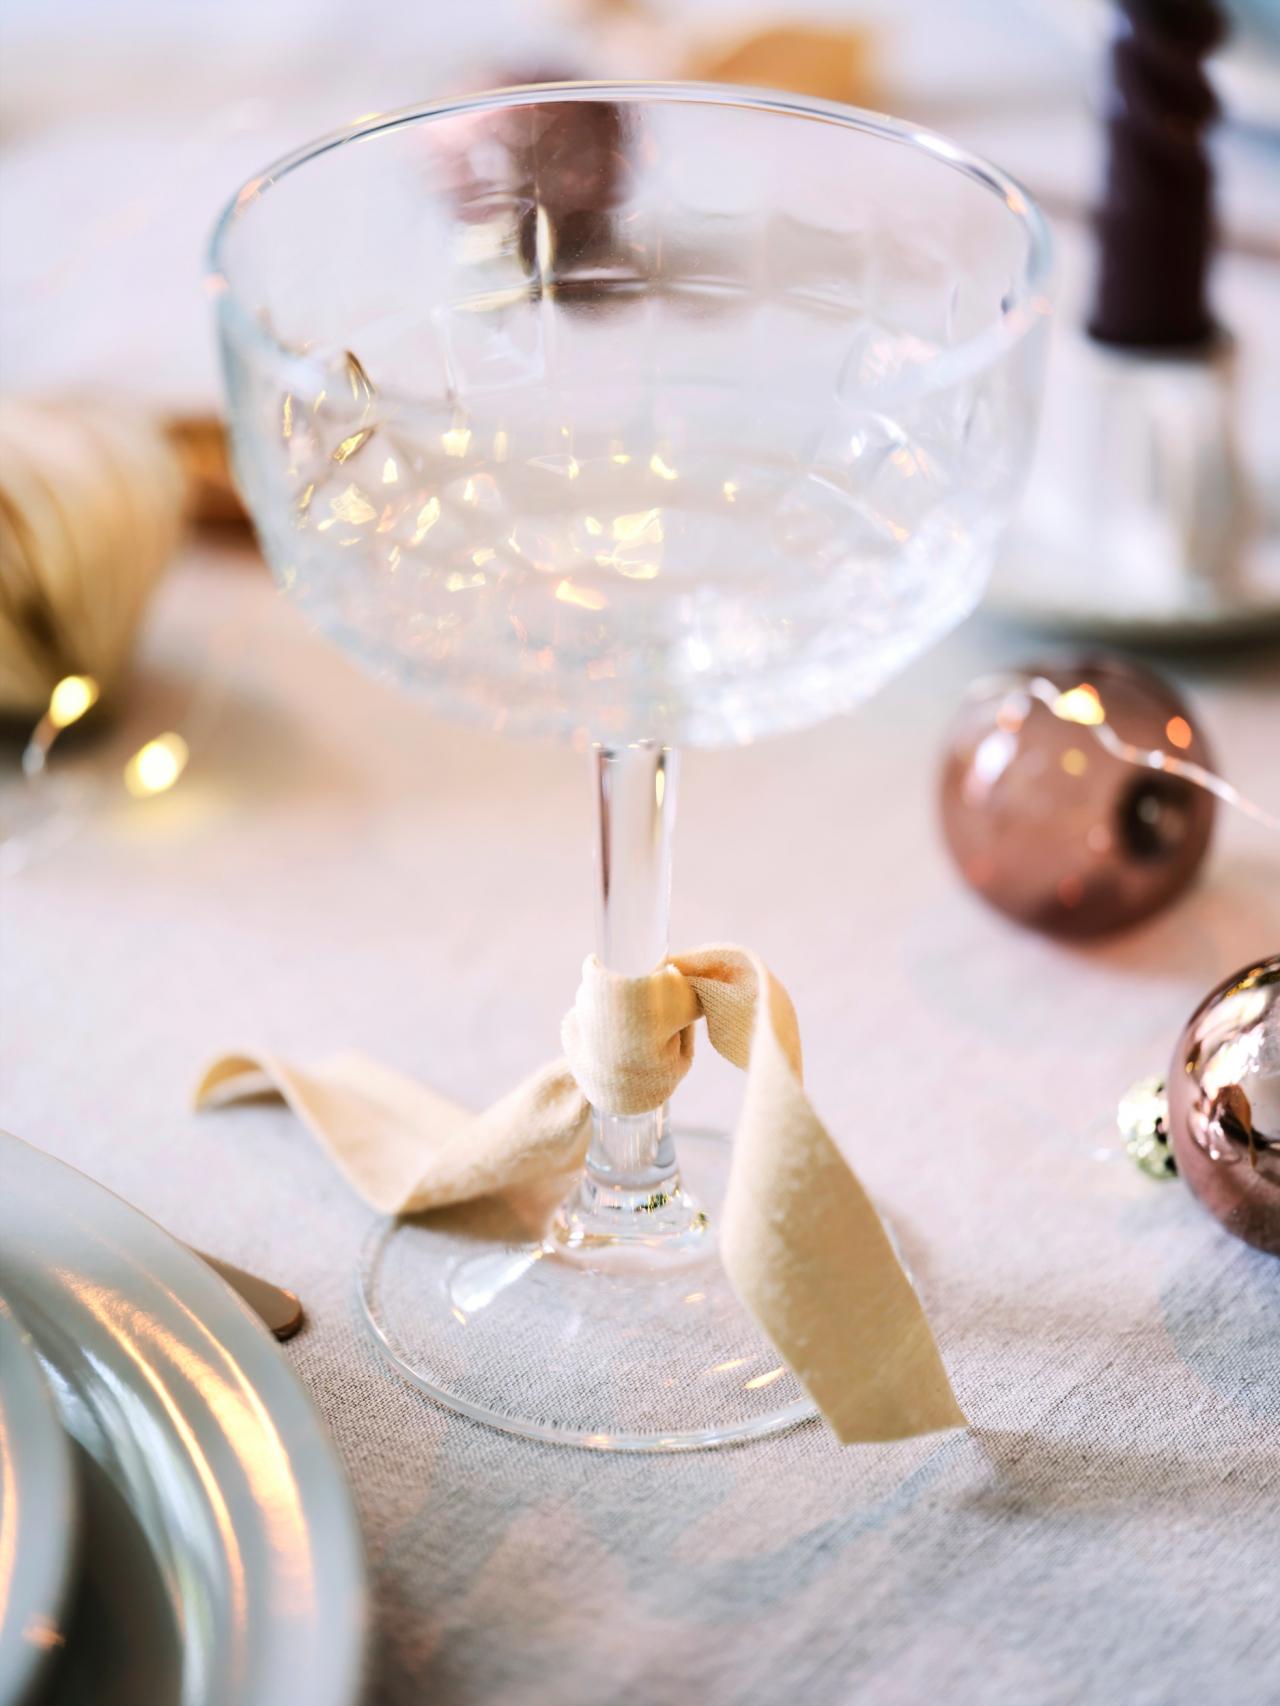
x: 1155, y: 225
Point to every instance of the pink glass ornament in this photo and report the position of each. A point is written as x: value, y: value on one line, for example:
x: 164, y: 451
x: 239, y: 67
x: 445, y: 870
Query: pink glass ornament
x: 1224, y: 1104
x: 1050, y: 827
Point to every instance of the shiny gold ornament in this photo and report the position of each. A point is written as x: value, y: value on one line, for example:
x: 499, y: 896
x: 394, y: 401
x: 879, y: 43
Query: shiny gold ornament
x: 1143, y: 1117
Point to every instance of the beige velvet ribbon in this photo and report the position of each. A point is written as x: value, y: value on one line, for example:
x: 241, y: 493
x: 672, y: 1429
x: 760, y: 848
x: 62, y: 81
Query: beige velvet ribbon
x: 802, y: 1245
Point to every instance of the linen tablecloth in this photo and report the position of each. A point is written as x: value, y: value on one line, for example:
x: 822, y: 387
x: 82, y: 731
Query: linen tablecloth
x: 337, y: 868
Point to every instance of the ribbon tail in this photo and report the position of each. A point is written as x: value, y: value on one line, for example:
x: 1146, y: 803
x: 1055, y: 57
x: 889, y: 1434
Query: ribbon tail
x: 404, y: 1148
x: 808, y: 1255
x: 800, y: 1240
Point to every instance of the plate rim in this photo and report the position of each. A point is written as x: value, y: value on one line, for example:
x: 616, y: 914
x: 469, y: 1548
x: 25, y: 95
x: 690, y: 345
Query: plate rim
x: 228, y: 1321
x: 47, y: 1547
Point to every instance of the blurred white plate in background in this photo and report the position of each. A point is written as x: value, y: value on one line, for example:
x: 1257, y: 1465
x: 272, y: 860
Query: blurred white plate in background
x: 1055, y: 585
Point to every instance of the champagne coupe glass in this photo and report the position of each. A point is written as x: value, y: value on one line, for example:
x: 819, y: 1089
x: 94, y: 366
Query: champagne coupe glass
x: 642, y: 416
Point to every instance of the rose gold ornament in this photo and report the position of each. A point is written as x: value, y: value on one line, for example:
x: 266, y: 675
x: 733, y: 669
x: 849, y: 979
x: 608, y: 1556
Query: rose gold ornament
x: 1053, y: 828
x: 1224, y: 1104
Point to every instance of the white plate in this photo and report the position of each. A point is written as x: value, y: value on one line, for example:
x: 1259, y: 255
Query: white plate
x: 37, y: 1513
x: 1048, y: 591
x: 210, y: 1474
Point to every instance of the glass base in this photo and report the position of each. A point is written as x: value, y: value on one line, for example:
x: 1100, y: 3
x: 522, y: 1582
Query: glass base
x: 635, y: 1344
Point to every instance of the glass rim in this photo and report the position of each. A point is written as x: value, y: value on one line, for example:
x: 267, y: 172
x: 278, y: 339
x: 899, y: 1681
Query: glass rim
x: 1028, y: 304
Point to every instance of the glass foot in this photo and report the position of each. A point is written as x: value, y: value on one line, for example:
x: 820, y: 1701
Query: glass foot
x: 634, y: 1345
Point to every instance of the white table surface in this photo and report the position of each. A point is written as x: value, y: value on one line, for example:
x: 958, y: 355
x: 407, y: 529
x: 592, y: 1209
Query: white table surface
x: 337, y: 868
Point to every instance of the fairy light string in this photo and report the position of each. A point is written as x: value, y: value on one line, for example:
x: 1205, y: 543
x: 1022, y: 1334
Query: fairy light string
x: 153, y: 769
x: 1083, y: 706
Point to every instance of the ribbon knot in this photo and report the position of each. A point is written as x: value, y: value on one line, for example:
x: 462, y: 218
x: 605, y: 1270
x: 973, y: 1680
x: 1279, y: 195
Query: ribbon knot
x: 800, y: 1241
x: 629, y: 1040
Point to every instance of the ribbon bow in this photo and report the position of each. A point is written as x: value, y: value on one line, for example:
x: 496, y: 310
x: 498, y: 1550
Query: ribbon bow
x: 801, y: 1242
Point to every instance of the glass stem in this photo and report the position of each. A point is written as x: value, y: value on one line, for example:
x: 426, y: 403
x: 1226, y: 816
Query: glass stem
x: 635, y: 795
